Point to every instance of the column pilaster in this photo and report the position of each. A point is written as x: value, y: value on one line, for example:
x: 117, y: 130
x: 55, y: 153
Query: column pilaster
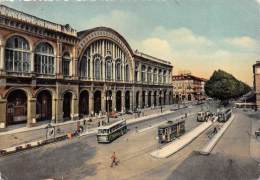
x: 59, y: 110
x: 91, y: 102
x: 103, y: 101
x: 1, y: 56
x: 75, y: 109
x: 3, y: 113
x: 31, y: 112
x: 146, y: 99
x: 113, y: 100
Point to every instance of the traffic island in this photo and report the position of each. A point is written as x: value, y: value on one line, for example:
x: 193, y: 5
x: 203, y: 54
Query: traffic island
x: 206, y: 150
x: 184, y: 140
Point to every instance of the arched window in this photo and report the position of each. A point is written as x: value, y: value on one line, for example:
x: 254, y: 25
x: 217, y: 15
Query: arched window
x: 143, y: 73
x: 17, y: 55
x: 44, y: 59
x: 109, y: 69
x: 160, y: 76
x: 118, y: 70
x: 127, y: 73
x: 97, y: 65
x: 155, y: 75
x: 164, y: 76
x: 149, y: 75
x: 83, y: 67
x: 136, y: 73
x: 66, y: 64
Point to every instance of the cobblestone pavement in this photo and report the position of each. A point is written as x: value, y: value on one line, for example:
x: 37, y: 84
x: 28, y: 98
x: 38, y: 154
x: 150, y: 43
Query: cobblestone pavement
x: 84, y: 158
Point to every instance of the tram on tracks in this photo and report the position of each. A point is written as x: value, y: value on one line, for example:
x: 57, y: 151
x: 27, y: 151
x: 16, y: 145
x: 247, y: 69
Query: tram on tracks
x: 224, y: 115
x: 109, y: 133
x: 171, y: 130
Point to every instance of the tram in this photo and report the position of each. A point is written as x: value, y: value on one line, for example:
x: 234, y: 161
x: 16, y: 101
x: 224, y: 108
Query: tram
x: 171, y: 130
x: 224, y: 115
x: 109, y: 133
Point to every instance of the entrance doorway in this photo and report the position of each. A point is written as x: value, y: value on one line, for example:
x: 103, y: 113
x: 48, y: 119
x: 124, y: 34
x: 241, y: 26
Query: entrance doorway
x: 16, y: 107
x: 83, y: 104
x: 44, y: 106
x: 118, y: 101
x: 67, y: 99
x: 97, y: 102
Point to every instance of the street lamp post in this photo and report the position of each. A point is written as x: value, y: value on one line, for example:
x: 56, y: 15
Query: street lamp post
x: 161, y: 100
x: 108, y: 98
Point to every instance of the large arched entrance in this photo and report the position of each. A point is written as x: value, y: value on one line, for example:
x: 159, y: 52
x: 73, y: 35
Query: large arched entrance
x: 67, y: 102
x: 109, y: 101
x: 97, y: 102
x: 44, y: 106
x: 143, y: 99
x: 83, y: 104
x: 155, y: 98
x: 137, y: 100
x: 127, y: 100
x: 16, y: 107
x: 149, y: 99
x: 118, y: 101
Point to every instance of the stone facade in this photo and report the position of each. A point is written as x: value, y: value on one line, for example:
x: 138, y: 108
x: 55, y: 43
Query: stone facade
x: 50, y: 72
x: 256, y: 71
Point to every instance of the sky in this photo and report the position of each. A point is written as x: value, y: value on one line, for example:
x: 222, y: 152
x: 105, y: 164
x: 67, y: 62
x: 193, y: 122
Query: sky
x: 199, y: 36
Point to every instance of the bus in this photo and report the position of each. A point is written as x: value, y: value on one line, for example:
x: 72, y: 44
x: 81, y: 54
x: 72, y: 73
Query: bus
x: 109, y: 133
x: 171, y: 130
x: 224, y: 115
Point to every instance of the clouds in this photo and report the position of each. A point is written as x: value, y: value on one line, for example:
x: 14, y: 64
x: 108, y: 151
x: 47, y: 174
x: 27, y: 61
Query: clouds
x: 182, y: 36
x: 187, y: 49
x: 190, y: 51
x: 242, y: 42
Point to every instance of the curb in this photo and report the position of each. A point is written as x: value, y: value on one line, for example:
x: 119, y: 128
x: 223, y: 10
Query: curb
x: 206, y: 150
x: 180, y: 143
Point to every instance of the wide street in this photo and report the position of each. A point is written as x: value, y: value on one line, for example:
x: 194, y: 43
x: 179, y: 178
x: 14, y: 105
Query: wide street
x: 84, y: 158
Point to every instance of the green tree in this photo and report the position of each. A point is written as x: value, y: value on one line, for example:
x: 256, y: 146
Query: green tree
x: 225, y: 86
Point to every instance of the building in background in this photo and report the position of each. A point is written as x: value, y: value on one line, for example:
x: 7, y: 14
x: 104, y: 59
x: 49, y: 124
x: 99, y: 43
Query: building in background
x: 188, y: 87
x: 256, y: 71
x: 50, y: 72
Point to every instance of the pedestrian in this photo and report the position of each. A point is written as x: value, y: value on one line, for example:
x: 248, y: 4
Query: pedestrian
x: 114, y: 162
x: 215, y: 130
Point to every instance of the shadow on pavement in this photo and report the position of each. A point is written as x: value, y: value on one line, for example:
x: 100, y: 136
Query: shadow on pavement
x: 216, y: 167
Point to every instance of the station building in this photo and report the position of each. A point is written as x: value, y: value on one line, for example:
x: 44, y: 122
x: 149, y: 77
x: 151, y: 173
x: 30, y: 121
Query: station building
x: 51, y: 72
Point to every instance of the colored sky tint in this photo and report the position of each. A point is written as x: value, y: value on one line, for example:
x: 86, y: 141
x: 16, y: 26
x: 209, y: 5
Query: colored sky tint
x: 196, y: 35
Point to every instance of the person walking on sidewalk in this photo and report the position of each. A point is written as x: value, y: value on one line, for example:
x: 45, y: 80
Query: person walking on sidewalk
x: 114, y: 160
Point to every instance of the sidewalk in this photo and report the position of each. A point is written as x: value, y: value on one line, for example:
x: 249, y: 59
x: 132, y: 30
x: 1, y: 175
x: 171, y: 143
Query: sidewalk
x: 206, y: 150
x: 255, y: 142
x: 23, y: 135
